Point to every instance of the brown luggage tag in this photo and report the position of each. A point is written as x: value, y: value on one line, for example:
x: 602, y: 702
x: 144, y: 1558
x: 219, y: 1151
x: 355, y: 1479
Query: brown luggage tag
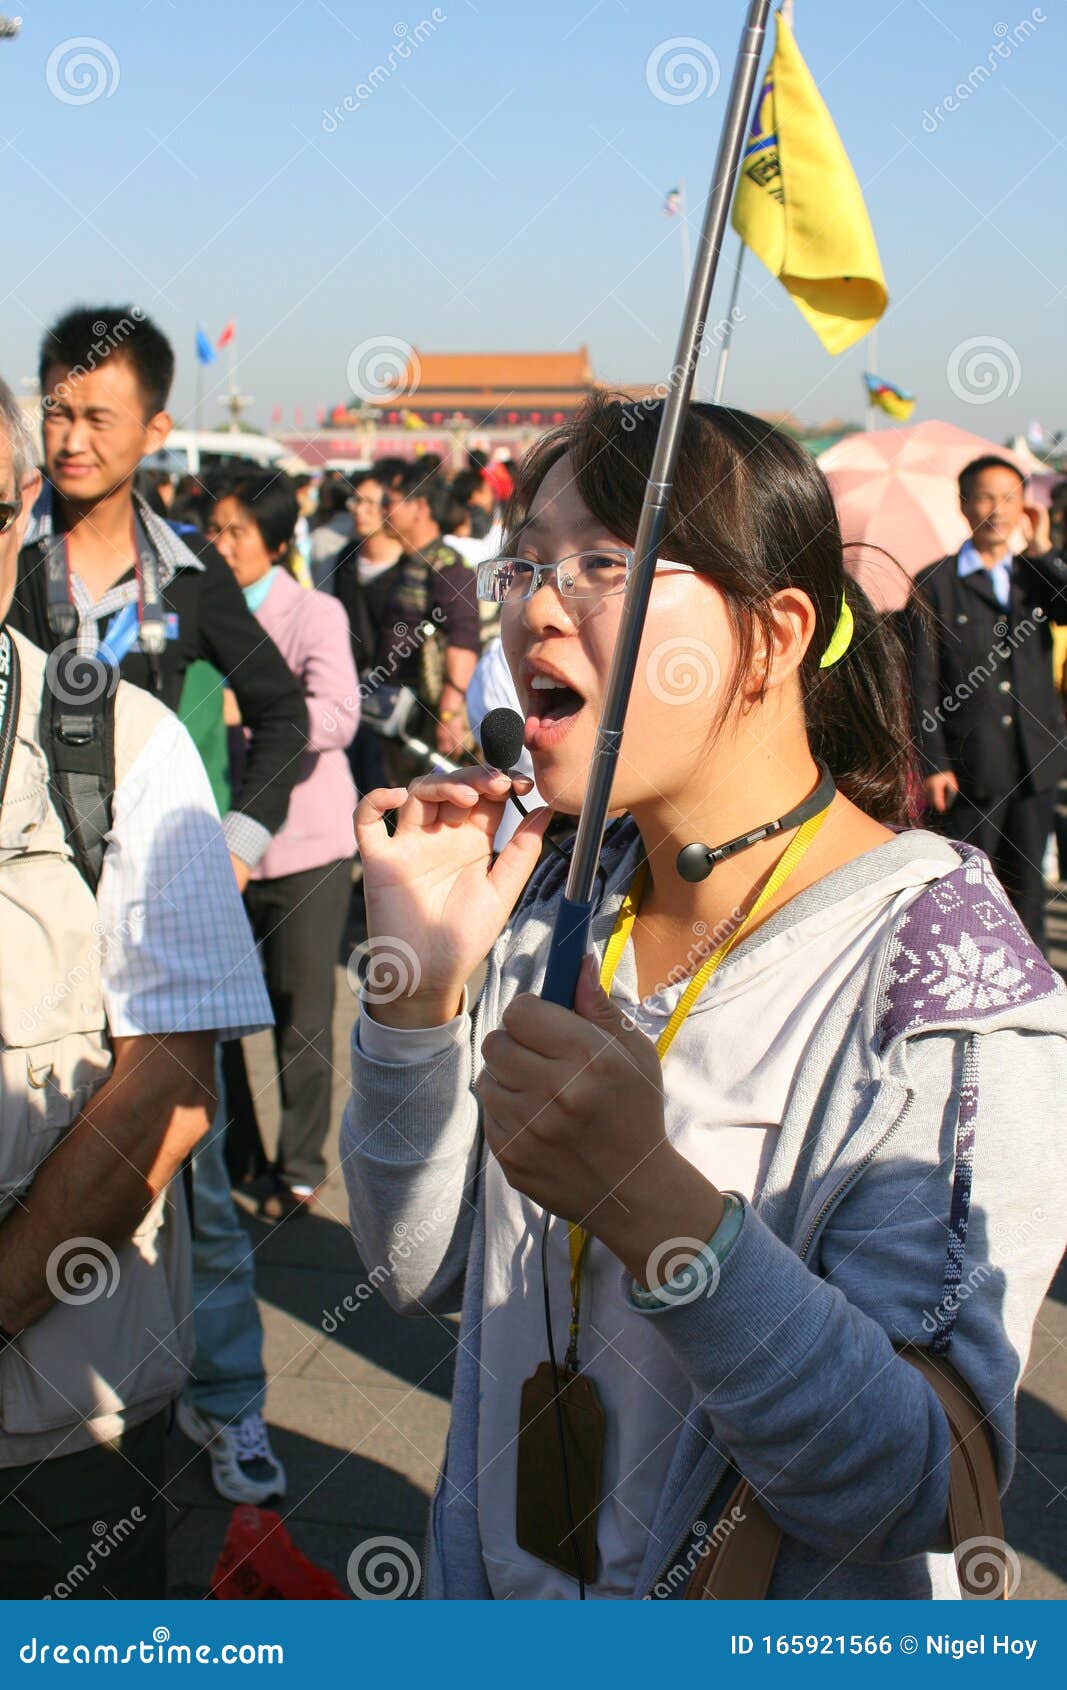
x: 542, y: 1526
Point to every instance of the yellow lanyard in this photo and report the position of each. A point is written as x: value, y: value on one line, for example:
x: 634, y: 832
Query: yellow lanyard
x: 577, y: 1237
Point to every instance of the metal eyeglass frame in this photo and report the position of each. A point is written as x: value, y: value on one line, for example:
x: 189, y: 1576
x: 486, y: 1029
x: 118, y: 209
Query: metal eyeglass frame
x: 538, y: 571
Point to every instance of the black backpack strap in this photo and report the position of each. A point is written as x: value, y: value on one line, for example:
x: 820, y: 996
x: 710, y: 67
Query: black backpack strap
x: 78, y: 739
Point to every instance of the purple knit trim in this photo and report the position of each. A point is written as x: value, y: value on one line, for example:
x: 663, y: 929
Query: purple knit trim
x: 960, y: 953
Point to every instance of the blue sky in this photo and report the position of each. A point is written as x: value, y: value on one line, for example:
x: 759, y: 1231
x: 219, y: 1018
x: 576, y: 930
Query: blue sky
x: 502, y: 187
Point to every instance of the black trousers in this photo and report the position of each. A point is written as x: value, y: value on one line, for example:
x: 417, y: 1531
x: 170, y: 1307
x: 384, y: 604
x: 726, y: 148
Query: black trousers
x: 1013, y: 833
x: 298, y: 920
x: 88, y: 1525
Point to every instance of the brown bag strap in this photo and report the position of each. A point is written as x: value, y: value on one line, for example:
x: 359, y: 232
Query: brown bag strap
x: 740, y: 1558
x: 975, y: 1520
x: 739, y: 1562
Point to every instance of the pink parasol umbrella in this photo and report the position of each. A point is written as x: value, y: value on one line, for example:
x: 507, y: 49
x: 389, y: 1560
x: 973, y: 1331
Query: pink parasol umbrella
x: 896, y: 489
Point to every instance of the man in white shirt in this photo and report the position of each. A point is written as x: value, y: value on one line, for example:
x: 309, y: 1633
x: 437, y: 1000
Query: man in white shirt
x: 109, y: 1010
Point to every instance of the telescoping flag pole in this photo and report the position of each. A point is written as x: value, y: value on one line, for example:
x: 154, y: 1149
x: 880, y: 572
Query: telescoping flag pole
x: 571, y: 932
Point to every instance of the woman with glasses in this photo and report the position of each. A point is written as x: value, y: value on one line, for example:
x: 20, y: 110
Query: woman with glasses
x: 359, y: 577
x: 690, y: 1221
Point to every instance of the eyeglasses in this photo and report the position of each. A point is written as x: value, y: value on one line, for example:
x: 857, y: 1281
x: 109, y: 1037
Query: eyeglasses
x: 584, y: 575
x: 8, y: 513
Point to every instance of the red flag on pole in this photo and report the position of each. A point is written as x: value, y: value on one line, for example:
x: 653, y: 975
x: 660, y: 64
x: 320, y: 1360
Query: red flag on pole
x: 276, y: 415
x: 225, y: 337
x: 320, y: 414
x: 298, y: 415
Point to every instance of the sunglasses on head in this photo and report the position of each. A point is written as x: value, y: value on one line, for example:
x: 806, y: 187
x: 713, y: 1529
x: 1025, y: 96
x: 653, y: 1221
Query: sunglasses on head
x: 8, y: 513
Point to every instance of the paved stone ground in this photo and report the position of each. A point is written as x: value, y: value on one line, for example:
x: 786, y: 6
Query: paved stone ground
x: 359, y: 1417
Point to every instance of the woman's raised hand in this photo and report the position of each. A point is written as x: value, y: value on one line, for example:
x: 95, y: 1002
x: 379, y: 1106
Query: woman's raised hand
x: 436, y: 900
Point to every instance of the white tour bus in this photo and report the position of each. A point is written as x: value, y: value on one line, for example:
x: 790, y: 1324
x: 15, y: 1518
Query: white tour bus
x: 190, y: 451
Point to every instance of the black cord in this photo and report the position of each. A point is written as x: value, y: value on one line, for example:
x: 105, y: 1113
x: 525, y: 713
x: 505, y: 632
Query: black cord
x: 571, y: 1533
x: 524, y: 812
x: 601, y: 874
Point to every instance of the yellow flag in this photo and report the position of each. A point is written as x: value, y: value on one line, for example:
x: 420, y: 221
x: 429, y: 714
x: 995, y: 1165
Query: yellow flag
x: 800, y: 208
x: 888, y: 397
x: 901, y: 409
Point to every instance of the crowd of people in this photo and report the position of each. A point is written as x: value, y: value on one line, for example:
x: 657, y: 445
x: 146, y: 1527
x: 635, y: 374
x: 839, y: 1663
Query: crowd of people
x: 202, y: 679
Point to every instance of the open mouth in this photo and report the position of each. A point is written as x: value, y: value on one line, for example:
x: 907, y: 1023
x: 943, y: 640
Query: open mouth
x: 553, y: 708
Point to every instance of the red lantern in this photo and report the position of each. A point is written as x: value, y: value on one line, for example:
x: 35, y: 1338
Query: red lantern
x: 513, y: 416
x: 436, y: 416
x: 557, y: 416
x: 535, y: 416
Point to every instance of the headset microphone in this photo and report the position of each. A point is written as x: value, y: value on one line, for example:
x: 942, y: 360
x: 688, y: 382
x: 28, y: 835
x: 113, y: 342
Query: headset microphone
x: 502, y: 734
x: 695, y: 862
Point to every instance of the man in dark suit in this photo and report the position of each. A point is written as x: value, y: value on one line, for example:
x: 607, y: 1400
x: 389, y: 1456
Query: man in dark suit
x: 990, y: 724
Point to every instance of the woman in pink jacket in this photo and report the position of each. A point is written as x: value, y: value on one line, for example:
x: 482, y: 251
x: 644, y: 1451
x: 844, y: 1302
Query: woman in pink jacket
x: 298, y: 895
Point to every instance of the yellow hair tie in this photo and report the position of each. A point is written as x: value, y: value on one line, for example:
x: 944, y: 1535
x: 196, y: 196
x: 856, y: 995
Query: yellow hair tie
x: 841, y: 638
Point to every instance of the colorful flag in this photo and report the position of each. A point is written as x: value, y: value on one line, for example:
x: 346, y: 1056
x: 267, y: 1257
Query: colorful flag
x: 205, y: 352
x: 320, y: 414
x: 672, y: 205
x: 800, y: 208
x: 225, y: 337
x: 889, y: 398
x: 276, y: 415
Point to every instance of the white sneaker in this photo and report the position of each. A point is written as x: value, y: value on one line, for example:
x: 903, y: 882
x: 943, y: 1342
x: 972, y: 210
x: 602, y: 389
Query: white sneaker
x: 244, y: 1468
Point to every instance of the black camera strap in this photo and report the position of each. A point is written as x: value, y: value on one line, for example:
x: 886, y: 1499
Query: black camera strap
x: 10, y: 693
x: 151, y: 617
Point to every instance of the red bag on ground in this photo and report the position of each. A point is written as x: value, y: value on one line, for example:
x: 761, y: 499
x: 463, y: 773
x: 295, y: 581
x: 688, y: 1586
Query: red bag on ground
x: 260, y: 1561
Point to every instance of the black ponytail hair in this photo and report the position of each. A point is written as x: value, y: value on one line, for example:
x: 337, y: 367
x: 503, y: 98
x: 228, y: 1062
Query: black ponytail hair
x: 751, y: 509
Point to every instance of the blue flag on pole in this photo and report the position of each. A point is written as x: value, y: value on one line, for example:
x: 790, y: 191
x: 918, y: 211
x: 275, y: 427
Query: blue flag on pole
x: 204, y: 350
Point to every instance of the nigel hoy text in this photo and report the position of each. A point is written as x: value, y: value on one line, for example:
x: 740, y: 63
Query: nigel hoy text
x: 957, y: 1647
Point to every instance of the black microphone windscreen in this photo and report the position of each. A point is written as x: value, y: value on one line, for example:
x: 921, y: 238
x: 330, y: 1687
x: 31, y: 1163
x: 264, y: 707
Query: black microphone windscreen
x: 502, y: 734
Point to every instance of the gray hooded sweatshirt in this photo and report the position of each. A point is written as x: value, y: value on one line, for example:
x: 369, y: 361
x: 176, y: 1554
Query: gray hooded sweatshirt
x: 916, y: 1194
